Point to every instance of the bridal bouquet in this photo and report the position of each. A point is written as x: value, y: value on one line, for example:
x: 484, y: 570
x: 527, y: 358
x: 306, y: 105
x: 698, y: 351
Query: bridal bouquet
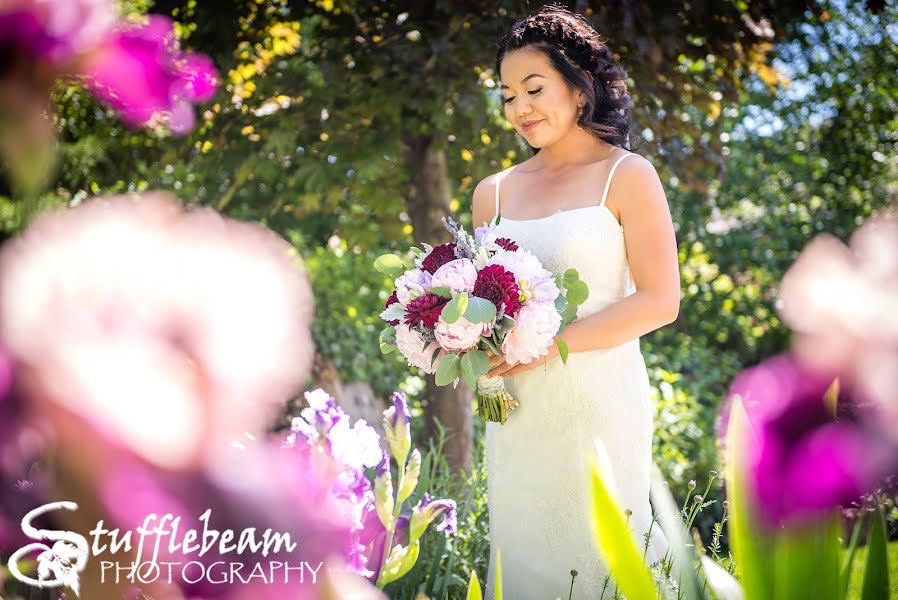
x: 456, y: 303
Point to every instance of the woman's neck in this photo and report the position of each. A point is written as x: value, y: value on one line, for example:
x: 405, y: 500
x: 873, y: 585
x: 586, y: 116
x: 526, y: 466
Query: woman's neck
x: 576, y: 148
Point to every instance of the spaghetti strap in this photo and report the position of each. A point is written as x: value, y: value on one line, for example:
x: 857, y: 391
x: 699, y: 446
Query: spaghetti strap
x: 498, y: 182
x: 610, y: 175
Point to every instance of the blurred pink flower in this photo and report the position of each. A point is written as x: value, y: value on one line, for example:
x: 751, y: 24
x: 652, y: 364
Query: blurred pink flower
x: 841, y: 302
x: 141, y: 73
x: 170, y: 332
x: 55, y: 30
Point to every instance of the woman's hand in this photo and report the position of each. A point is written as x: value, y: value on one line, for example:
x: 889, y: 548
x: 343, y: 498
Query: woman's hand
x: 500, y: 368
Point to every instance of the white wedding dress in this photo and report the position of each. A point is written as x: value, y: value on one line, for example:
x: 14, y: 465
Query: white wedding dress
x: 537, y: 462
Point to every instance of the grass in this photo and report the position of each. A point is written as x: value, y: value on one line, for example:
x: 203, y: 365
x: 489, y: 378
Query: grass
x: 857, y: 570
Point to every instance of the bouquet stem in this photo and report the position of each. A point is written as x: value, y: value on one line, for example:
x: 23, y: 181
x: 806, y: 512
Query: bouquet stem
x: 493, y: 400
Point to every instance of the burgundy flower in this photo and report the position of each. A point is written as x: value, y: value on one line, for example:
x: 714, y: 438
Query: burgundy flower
x: 507, y: 244
x: 393, y: 299
x: 438, y: 257
x: 425, y: 309
x: 498, y: 286
x: 806, y: 460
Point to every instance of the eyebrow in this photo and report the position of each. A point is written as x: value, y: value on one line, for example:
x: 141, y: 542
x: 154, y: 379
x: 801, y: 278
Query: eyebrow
x: 524, y: 80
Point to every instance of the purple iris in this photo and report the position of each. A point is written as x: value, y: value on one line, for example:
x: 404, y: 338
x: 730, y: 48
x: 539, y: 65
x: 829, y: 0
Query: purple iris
x: 805, y: 460
x: 398, y: 415
x: 430, y: 509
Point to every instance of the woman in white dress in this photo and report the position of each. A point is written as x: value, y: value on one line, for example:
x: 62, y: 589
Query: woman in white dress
x: 583, y: 201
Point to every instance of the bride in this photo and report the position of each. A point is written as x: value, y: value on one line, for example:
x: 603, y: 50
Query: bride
x: 583, y: 201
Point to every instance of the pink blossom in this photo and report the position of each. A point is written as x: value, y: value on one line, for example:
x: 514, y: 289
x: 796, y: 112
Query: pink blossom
x: 533, y: 334
x: 534, y: 280
x: 53, y: 29
x: 840, y: 301
x: 141, y: 73
x: 461, y: 335
x: 458, y: 275
x: 416, y: 352
x: 171, y: 332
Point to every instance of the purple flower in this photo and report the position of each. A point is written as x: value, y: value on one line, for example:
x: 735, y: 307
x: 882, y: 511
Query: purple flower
x: 427, y: 510
x: 805, y: 459
x: 141, y: 73
x: 397, y: 428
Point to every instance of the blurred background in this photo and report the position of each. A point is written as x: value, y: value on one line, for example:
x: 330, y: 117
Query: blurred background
x: 350, y: 128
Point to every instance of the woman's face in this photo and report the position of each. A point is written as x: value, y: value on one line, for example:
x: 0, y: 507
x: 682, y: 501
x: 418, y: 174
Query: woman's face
x: 538, y: 101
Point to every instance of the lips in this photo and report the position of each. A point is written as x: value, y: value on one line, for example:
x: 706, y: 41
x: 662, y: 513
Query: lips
x: 530, y: 126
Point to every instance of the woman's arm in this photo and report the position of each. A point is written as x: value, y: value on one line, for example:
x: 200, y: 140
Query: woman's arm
x: 637, y: 194
x: 652, y: 254
x: 483, y: 202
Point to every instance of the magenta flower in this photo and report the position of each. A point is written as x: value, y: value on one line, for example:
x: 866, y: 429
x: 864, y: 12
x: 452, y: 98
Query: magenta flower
x: 428, y: 510
x: 57, y: 31
x: 805, y: 460
x: 840, y: 301
x: 141, y: 73
x: 498, y: 286
x: 425, y: 309
x: 438, y: 257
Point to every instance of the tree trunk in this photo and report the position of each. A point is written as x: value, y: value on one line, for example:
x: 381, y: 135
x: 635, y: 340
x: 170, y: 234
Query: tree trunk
x: 427, y: 201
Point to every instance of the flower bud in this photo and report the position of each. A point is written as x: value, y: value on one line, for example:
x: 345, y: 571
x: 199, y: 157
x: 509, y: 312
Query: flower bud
x: 400, y: 562
x: 397, y: 429
x: 383, y: 492
x: 692, y: 484
x: 410, y: 476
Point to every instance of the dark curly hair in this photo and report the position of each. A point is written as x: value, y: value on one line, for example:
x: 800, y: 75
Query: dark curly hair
x: 577, y: 51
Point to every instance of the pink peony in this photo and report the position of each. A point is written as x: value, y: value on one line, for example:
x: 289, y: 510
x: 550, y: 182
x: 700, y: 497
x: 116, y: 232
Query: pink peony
x: 461, y: 335
x: 458, y: 275
x: 533, y: 333
x: 537, y: 283
x: 412, y: 346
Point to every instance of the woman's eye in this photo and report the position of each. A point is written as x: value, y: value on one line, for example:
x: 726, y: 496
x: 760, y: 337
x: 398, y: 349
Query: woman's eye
x: 532, y: 93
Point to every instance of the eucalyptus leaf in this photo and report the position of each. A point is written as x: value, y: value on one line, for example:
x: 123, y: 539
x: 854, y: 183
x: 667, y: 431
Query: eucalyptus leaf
x: 560, y: 303
x: 452, y: 311
x: 467, y: 372
x: 389, y: 264
x: 388, y: 340
x: 448, y: 369
x: 442, y: 292
x: 480, y: 310
x: 562, y: 349
x: 577, y: 293
x: 570, y: 277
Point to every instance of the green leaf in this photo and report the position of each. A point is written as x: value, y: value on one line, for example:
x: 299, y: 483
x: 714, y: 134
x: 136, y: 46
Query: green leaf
x: 751, y: 550
x: 467, y: 372
x: 449, y: 369
x: 498, y: 218
x: 577, y: 293
x: 462, y: 303
x: 615, y: 541
x: 560, y: 303
x: 452, y: 311
x: 876, y: 574
x: 442, y: 292
x: 474, y: 592
x: 480, y: 310
x: 562, y: 349
x: 488, y: 340
x: 570, y: 277
x: 387, y: 336
x: 848, y: 562
x: 497, y: 580
x: 480, y: 362
x: 389, y: 264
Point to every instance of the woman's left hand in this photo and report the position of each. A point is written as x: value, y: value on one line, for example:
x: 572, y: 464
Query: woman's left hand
x: 500, y: 368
